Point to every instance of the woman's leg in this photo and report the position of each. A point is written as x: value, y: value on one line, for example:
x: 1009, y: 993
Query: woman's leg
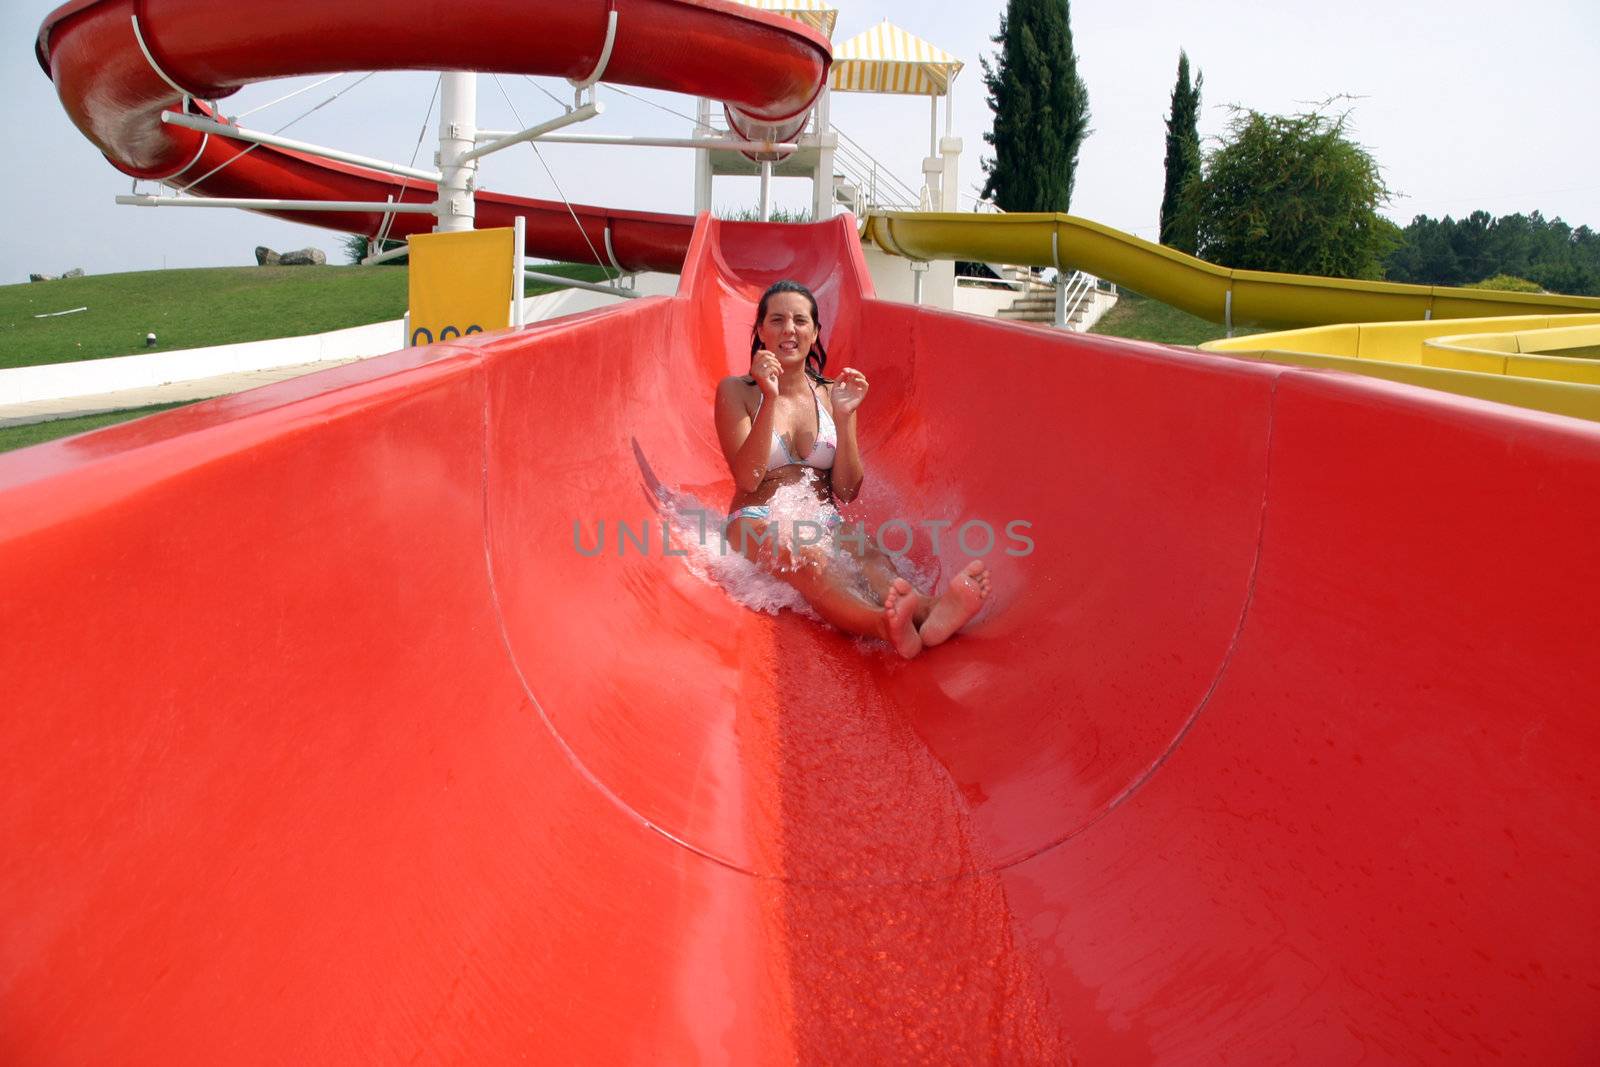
x: 937, y: 618
x: 877, y: 566
x: 832, y: 590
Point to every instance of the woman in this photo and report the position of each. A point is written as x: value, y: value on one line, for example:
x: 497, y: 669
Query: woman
x: 788, y: 432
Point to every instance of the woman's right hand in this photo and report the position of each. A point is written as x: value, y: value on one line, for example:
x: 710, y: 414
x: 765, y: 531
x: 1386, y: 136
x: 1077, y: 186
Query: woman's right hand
x: 764, y: 369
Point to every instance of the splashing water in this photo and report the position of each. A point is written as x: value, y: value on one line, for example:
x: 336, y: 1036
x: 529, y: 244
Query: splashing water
x: 797, y: 517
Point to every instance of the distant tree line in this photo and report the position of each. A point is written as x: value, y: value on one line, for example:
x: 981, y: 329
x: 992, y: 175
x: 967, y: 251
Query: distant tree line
x: 1548, y: 252
x: 1290, y: 193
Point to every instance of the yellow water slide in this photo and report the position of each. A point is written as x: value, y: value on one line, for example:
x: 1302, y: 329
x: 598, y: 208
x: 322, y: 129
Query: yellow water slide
x: 1233, y: 297
x: 1546, y: 362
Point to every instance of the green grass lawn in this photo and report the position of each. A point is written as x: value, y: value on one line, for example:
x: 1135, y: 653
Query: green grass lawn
x: 38, y: 432
x: 1145, y: 319
x: 202, y: 307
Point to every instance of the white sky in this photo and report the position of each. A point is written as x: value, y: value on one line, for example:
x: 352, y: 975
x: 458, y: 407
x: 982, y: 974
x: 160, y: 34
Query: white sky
x: 1466, y: 104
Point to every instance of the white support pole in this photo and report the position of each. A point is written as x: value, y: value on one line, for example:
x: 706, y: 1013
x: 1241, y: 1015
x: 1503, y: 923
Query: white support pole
x: 239, y: 133
x: 458, y: 122
x: 702, y: 160
x: 822, y: 177
x: 766, y: 190
x: 519, y: 231
x: 919, y: 267
x: 933, y: 126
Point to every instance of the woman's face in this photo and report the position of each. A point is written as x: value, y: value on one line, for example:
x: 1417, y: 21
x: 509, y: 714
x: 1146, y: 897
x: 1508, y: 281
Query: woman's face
x: 788, y: 329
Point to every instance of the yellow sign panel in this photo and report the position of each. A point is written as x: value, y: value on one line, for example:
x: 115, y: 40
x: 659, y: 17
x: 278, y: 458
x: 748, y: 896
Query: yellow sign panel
x: 460, y: 283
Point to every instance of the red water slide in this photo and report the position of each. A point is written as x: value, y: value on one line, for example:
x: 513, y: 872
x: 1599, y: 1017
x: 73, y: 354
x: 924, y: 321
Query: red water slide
x: 327, y: 741
x: 117, y: 64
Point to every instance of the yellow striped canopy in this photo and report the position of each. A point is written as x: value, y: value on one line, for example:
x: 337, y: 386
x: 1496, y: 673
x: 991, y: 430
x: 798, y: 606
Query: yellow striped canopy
x: 814, y: 13
x: 887, y: 59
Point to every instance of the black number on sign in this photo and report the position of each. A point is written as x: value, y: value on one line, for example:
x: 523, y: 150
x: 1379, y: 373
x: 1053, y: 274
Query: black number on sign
x: 424, y: 336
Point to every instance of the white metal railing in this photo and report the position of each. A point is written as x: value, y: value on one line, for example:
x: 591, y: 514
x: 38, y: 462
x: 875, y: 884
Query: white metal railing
x: 1071, y: 293
x: 876, y: 187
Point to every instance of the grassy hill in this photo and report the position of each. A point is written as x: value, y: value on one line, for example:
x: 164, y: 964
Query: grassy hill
x: 202, y: 307
x: 1145, y: 319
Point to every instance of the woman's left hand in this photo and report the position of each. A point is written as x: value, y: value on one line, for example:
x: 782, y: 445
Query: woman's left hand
x: 849, y: 391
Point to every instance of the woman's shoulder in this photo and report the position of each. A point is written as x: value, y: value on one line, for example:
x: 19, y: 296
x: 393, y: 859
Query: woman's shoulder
x: 738, y: 388
x: 737, y: 384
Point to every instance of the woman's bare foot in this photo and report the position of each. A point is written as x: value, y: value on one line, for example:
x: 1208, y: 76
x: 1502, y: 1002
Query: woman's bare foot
x: 968, y: 590
x: 898, y: 628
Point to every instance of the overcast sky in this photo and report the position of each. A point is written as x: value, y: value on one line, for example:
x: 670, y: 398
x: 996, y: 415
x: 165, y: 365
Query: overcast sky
x: 1465, y: 104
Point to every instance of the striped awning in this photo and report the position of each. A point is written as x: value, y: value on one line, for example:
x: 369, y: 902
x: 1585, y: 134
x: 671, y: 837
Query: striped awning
x: 887, y: 59
x: 814, y: 13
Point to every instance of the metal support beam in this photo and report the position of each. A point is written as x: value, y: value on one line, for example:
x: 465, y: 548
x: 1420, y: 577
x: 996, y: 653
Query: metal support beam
x: 573, y: 283
x: 766, y: 190
x: 240, y: 133
x: 534, y: 133
x: 384, y: 257
x: 375, y: 207
x: 713, y: 144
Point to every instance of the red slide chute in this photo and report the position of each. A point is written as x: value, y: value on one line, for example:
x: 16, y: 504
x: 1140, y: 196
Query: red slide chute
x: 117, y: 64
x: 324, y: 742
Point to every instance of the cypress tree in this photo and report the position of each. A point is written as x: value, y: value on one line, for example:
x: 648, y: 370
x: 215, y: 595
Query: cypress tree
x: 1041, y: 108
x: 1178, y: 226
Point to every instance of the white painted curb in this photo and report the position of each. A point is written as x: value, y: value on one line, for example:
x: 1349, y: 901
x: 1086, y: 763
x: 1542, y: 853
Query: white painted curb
x: 92, y: 377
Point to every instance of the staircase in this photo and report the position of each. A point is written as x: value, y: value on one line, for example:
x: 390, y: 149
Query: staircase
x: 1036, y: 299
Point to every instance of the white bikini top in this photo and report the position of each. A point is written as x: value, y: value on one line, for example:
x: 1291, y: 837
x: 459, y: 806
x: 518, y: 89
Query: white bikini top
x: 822, y: 453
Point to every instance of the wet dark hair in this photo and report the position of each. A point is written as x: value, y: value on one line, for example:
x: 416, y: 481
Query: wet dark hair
x: 817, y: 358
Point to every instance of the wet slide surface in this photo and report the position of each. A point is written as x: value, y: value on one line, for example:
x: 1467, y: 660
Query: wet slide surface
x: 325, y: 743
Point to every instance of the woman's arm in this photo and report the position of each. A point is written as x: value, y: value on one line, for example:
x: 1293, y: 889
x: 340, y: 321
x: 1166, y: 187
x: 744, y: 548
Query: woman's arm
x: 746, y: 442
x: 848, y: 470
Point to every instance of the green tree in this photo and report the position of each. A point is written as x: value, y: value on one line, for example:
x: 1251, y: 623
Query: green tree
x: 1292, y: 193
x: 357, y: 247
x: 1178, y: 228
x: 1041, y: 109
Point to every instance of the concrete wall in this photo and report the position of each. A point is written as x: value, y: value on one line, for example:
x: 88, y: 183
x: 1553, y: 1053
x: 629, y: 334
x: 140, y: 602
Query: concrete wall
x: 892, y: 278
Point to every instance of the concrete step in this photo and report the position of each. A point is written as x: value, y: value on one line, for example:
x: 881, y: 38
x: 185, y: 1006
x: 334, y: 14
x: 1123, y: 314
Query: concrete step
x: 1041, y: 314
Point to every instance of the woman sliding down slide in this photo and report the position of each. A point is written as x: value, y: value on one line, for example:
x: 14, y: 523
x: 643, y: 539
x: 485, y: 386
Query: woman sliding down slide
x: 789, y: 436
